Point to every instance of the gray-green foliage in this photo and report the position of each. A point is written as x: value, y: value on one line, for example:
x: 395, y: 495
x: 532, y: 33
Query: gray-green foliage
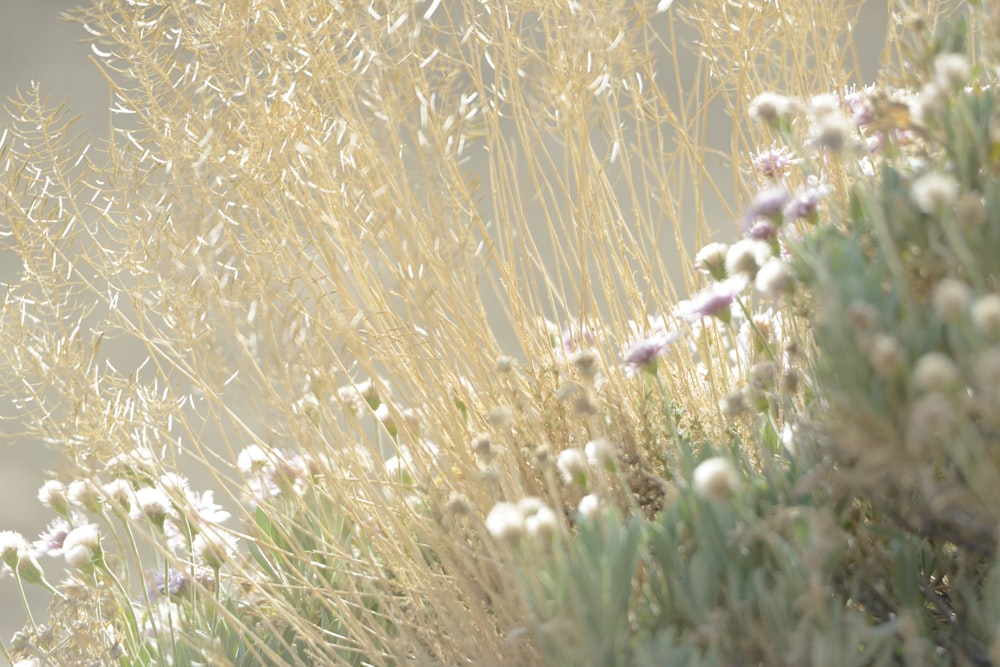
x: 876, y: 544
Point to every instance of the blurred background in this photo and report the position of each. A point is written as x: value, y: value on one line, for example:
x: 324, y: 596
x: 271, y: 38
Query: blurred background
x: 35, y: 45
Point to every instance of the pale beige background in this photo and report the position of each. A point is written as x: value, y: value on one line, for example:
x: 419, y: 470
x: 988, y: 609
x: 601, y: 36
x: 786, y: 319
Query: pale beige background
x: 35, y: 45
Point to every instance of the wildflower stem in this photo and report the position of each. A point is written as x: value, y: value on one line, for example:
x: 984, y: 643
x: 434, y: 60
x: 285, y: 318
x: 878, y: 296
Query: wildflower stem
x: 125, y: 605
x: 753, y: 325
x: 24, y: 601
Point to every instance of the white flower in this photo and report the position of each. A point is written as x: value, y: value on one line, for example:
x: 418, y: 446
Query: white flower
x: 824, y: 105
x: 82, y: 546
x: 952, y: 70
x: 935, y: 371
x: 951, y: 299
x: 505, y: 522
x: 11, y: 545
x: 174, y: 485
x: 746, y: 256
x: 600, y: 453
x: 986, y: 315
x: 934, y: 192
x: 118, y: 494
x: 542, y: 522
x: 214, y: 547
x: 252, y: 459
x: 589, y: 506
x: 711, y: 259
x: 529, y: 505
x: 202, y: 508
x: 151, y: 503
x: 84, y: 493
x: 832, y: 131
x: 572, y: 464
x: 771, y: 107
x: 774, y: 278
x: 715, y: 479
x: 50, y: 541
x: 53, y: 495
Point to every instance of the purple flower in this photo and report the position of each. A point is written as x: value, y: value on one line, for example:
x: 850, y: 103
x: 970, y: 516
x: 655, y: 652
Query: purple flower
x: 764, y: 230
x: 643, y: 354
x: 768, y: 203
x: 579, y: 335
x: 775, y: 162
x: 714, y: 301
x: 174, y: 583
x: 50, y: 541
x: 803, y: 205
x: 857, y: 104
x: 203, y: 509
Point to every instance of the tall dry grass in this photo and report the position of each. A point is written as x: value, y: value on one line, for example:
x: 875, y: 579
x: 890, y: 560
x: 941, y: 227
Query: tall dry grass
x: 299, y: 197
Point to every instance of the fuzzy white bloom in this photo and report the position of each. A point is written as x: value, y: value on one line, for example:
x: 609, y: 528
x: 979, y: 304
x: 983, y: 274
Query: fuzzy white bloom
x: 201, y: 508
x: 771, y: 107
x: 951, y: 299
x: 53, y: 495
x: 572, y: 464
x: 774, y: 278
x: 252, y: 459
x: 715, y: 479
x: 538, y: 518
x: 82, y: 546
x: 529, y: 505
x: 600, y: 453
x: 935, y: 371
x: 929, y: 103
x: 886, y: 355
x: 746, y: 256
x: 589, y: 506
x: 985, y: 315
x: 84, y: 493
x: 951, y: 70
x: 543, y: 522
x: 50, y: 541
x: 505, y: 522
x: 824, y: 105
x: 118, y: 494
x: 12, y: 544
x: 174, y: 485
x: 934, y: 192
x: 833, y: 130
x: 711, y: 259
x: 151, y: 503
x: 214, y: 547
